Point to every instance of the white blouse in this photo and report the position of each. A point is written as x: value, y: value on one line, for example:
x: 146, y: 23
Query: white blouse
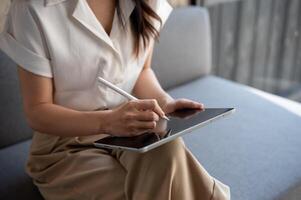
x: 63, y: 40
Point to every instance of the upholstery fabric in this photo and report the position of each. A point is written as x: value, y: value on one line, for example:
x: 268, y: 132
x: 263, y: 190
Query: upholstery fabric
x: 15, y: 183
x: 256, y: 150
x: 184, y: 49
x: 13, y: 126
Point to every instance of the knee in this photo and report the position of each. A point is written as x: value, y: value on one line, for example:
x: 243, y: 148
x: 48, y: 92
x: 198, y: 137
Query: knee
x: 171, y: 147
x: 168, y: 153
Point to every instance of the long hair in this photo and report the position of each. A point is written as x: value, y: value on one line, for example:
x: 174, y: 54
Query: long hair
x: 142, y: 24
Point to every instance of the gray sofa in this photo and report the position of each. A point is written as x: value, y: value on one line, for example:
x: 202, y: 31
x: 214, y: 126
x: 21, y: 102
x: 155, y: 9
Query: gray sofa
x: 256, y: 151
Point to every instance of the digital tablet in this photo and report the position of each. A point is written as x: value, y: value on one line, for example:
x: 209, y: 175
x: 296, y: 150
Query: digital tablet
x: 181, y: 122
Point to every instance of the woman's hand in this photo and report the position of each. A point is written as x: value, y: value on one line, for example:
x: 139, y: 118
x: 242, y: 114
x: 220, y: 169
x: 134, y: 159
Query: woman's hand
x: 173, y: 105
x: 133, y: 118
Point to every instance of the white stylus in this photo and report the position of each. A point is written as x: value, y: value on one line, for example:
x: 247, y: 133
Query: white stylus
x: 120, y: 91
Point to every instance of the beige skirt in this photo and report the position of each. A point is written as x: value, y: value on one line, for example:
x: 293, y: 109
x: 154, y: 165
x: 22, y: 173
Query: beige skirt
x: 71, y: 168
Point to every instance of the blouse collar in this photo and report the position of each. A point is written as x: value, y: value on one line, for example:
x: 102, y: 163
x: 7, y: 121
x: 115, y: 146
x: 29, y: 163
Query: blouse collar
x: 83, y: 14
x: 127, y: 6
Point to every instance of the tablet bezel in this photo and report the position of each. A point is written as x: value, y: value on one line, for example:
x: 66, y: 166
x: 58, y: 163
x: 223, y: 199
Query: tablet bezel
x: 167, y: 139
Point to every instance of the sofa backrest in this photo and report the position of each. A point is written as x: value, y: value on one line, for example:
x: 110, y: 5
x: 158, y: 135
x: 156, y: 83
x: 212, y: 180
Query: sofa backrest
x: 13, y: 126
x: 184, y: 49
x: 183, y: 54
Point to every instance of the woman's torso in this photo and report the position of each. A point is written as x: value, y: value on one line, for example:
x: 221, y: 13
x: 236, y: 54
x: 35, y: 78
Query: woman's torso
x: 81, y: 50
x: 68, y: 35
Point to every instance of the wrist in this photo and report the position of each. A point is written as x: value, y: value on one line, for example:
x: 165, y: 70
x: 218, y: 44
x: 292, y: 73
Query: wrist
x: 165, y: 100
x: 164, y: 103
x: 104, y: 119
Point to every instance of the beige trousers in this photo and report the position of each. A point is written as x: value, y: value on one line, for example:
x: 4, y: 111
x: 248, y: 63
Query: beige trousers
x: 169, y: 172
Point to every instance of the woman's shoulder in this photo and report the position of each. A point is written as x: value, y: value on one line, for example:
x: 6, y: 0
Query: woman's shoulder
x: 28, y: 10
x: 33, y: 6
x: 27, y: 3
x: 22, y: 10
x: 41, y: 4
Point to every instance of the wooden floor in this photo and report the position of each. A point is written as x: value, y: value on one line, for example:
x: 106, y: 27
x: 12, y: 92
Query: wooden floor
x: 258, y: 43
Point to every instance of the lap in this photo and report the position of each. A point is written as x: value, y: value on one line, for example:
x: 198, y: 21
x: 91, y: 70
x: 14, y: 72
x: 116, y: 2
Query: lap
x: 91, y: 173
x: 85, y: 174
x: 168, y: 152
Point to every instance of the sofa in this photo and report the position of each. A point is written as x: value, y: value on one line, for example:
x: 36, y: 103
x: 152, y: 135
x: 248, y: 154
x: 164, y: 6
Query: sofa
x: 256, y: 150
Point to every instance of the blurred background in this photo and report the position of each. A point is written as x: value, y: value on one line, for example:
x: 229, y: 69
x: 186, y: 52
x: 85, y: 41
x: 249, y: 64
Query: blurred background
x: 256, y: 42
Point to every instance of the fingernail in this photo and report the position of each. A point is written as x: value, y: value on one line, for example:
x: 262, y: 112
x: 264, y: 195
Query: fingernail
x: 164, y: 117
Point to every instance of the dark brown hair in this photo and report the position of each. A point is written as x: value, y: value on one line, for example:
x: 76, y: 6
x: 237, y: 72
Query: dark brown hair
x: 141, y: 23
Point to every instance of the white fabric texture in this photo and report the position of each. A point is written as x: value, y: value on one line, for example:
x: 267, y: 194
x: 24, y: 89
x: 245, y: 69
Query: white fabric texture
x: 4, y: 9
x: 63, y: 40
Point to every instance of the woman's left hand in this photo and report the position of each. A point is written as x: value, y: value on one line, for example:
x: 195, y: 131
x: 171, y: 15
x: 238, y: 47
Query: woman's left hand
x: 182, y: 103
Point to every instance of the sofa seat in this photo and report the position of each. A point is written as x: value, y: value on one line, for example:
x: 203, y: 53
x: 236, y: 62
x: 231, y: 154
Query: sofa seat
x: 15, y: 183
x: 256, y: 150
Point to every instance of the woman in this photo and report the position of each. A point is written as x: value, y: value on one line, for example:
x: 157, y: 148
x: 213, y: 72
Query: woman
x: 61, y: 47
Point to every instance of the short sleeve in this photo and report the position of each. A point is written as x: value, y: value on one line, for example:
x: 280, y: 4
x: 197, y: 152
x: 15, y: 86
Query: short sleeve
x: 24, y: 42
x: 163, y: 9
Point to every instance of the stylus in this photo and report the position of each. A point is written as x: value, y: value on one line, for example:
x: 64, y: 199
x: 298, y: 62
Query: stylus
x: 120, y: 91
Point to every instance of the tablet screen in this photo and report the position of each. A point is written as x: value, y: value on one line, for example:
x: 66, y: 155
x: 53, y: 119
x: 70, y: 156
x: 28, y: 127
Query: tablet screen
x: 180, y: 121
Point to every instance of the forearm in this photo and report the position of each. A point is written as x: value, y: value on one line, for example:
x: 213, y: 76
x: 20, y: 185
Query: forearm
x: 148, y: 87
x: 57, y: 120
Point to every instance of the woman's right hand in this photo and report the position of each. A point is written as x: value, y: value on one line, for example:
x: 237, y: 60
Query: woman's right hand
x: 133, y: 118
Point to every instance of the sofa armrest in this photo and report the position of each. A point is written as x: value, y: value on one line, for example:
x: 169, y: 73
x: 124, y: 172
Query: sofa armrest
x: 184, y: 49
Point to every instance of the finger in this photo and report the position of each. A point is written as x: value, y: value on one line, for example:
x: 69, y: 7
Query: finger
x: 150, y: 104
x: 140, y: 131
x: 145, y: 104
x: 159, y: 110
x: 184, y: 103
x: 147, y: 116
x: 202, y: 106
x: 144, y: 125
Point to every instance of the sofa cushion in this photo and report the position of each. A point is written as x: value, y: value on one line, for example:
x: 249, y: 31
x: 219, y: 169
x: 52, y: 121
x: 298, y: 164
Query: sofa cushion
x: 15, y: 183
x: 256, y: 150
x: 13, y: 126
x: 182, y: 55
